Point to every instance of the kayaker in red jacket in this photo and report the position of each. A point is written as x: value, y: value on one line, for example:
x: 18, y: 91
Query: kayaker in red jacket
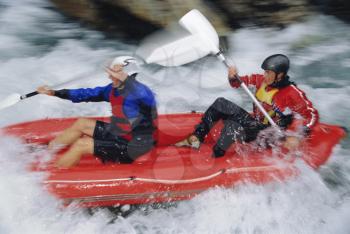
x: 287, y: 105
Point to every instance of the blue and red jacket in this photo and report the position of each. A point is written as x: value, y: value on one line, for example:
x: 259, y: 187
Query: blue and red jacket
x: 134, y: 110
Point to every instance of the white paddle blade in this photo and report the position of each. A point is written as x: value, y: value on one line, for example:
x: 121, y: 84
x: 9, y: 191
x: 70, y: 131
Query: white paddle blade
x: 174, y: 46
x: 179, y: 52
x: 10, y: 100
x: 196, y: 23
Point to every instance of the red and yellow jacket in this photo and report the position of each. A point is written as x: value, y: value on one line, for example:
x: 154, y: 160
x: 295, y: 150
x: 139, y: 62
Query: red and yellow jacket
x: 280, y: 103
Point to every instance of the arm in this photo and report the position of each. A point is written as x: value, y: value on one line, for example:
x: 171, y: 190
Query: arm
x: 149, y: 111
x: 305, y: 116
x: 97, y: 94
x: 295, y: 102
x: 252, y: 80
x: 141, y: 109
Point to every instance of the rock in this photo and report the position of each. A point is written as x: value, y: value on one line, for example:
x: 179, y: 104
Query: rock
x: 107, y: 17
x: 339, y: 8
x: 134, y: 19
x: 254, y: 13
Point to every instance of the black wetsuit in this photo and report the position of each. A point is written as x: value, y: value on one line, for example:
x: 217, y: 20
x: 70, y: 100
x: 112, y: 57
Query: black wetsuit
x: 239, y: 125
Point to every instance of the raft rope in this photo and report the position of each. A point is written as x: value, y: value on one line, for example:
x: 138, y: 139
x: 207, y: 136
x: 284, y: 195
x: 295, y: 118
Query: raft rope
x: 168, y: 194
x: 164, y: 181
x: 123, y: 197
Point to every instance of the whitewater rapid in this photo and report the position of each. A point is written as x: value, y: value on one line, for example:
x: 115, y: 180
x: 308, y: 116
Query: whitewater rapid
x: 40, y: 47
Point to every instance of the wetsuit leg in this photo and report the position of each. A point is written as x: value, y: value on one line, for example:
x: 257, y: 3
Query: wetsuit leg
x: 139, y: 145
x: 231, y: 132
x: 238, y: 125
x: 245, y: 131
x: 109, y: 147
x: 220, y: 109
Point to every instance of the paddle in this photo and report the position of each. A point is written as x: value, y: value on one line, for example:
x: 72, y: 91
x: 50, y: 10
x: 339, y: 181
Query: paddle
x: 201, y: 40
x: 14, y: 98
x: 198, y: 25
x: 173, y: 47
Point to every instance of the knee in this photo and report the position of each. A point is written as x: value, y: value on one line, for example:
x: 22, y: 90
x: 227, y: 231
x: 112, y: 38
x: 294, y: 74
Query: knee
x: 225, y: 104
x: 222, y: 104
x: 80, y: 124
x: 221, y: 100
x: 83, y: 144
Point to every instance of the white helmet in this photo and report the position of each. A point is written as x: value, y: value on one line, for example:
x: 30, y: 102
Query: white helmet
x: 130, y: 65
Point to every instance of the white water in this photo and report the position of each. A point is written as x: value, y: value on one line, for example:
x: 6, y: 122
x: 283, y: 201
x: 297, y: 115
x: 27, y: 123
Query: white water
x: 38, y: 46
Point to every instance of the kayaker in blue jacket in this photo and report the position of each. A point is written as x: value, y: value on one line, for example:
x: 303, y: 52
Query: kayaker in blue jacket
x: 131, y: 131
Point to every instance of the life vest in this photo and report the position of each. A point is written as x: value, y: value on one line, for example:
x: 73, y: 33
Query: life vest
x: 266, y: 97
x: 120, y: 123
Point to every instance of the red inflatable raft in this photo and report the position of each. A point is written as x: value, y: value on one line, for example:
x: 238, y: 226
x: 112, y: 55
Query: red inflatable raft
x: 168, y: 173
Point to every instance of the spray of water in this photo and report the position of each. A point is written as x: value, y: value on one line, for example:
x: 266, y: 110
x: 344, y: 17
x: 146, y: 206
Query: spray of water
x: 39, y: 47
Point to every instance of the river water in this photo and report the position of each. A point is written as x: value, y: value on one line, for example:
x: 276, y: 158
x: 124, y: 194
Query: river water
x: 40, y: 47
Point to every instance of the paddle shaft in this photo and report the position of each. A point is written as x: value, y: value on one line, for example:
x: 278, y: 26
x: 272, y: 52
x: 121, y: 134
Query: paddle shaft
x: 14, y: 98
x: 245, y: 88
x: 28, y: 95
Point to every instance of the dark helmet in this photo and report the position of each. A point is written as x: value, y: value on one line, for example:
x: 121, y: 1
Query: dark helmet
x: 277, y: 63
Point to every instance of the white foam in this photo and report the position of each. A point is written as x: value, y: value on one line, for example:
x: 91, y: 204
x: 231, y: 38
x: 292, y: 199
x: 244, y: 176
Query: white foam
x: 304, y: 205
